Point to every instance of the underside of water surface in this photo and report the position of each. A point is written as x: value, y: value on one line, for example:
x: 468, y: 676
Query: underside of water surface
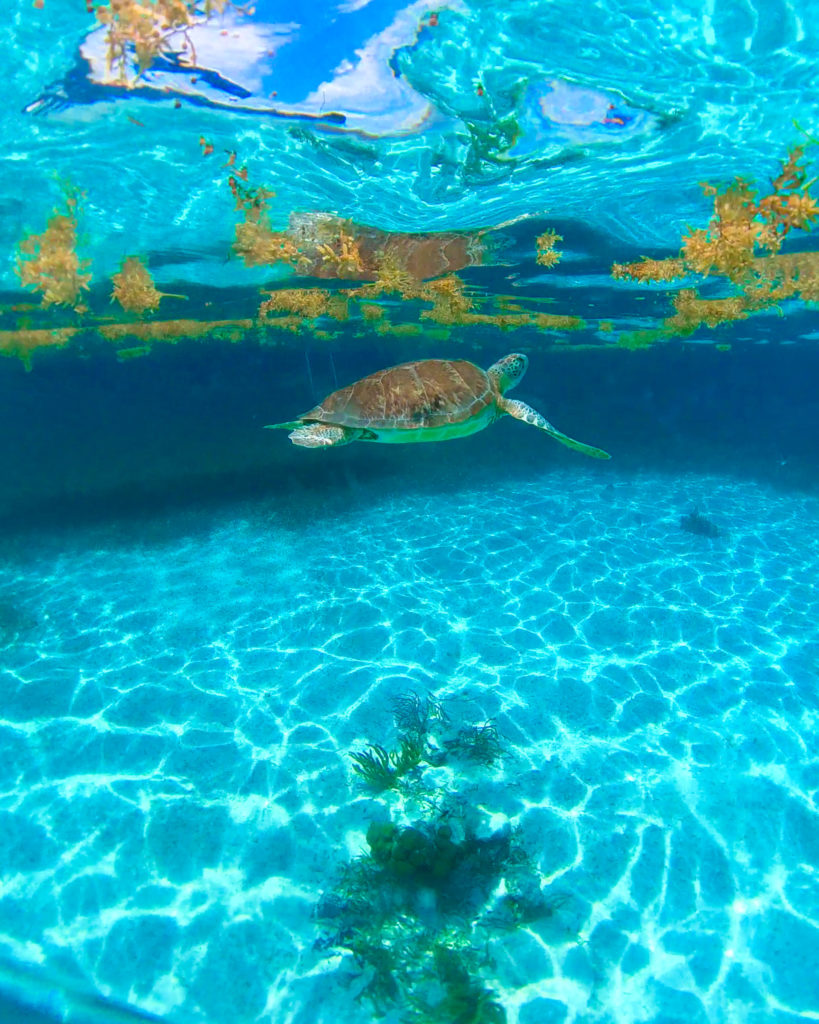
x: 476, y: 730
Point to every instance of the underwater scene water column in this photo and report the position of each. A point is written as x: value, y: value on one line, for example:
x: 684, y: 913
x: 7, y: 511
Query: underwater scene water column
x: 483, y: 687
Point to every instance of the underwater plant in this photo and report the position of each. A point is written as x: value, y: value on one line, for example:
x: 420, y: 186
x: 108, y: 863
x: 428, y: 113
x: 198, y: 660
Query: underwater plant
x: 323, y: 245
x: 692, y: 311
x: 547, y: 255
x: 465, y: 999
x: 412, y: 714
x: 23, y: 342
x: 382, y: 769
x: 424, y: 854
x: 301, y: 306
x: 450, y: 303
x: 391, y: 277
x: 741, y: 243
x: 134, y: 287
x: 258, y: 245
x: 394, y: 261
x: 340, y: 254
x: 649, y: 270
x: 306, y: 302
x: 415, y: 910
x: 255, y: 241
x: 49, y: 263
x: 479, y: 744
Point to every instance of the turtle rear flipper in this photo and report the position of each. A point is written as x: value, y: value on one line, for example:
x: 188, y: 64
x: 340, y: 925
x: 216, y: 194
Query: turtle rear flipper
x: 323, y: 435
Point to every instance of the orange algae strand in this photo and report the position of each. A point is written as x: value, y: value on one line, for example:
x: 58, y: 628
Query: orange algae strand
x: 649, y: 270
x: 450, y: 303
x: 174, y: 330
x: 692, y: 311
x: 556, y: 321
x: 49, y: 262
x: 305, y: 302
x: 21, y: 343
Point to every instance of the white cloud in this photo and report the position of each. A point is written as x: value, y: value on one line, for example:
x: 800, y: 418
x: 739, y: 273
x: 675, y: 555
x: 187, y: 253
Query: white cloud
x: 348, y: 6
x: 367, y: 91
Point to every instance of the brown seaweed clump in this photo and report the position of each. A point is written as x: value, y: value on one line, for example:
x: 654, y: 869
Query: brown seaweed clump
x: 391, y: 278
x: 255, y: 242
x: 649, y: 270
x: 23, y: 342
x: 134, y: 287
x: 692, y: 311
x: 49, y: 262
x: 296, y: 309
x: 176, y: 330
x: 328, y: 246
x: 745, y: 229
x: 741, y: 243
x: 547, y: 254
x: 557, y: 322
x: 258, y: 245
x: 450, y: 303
x: 309, y: 303
x: 743, y: 222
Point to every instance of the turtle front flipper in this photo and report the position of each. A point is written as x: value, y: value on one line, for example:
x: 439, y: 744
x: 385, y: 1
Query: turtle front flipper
x: 521, y: 411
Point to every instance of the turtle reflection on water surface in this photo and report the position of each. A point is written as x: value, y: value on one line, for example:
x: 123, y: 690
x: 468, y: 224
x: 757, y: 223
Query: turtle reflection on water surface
x: 426, y: 400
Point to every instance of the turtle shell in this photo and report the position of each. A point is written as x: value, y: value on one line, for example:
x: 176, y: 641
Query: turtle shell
x: 420, y: 395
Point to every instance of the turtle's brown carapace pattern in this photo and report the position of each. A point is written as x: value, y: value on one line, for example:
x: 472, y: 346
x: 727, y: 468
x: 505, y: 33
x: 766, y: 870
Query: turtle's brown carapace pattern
x: 423, y: 394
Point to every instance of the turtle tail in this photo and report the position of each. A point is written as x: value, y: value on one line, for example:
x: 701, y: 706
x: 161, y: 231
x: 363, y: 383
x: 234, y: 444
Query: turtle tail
x: 291, y: 425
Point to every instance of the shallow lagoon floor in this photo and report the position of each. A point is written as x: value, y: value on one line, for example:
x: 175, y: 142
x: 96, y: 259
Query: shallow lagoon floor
x: 181, y: 696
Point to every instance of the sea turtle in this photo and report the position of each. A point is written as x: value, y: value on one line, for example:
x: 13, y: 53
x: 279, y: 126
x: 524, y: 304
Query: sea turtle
x: 427, y: 400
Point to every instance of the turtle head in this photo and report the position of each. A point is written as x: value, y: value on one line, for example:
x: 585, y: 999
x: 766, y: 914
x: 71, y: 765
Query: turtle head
x: 507, y: 372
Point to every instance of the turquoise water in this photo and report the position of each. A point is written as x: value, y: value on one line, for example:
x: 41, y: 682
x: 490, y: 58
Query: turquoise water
x: 719, y: 86
x: 609, y: 669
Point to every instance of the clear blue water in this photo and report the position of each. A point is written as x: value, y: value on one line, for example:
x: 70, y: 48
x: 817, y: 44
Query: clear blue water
x: 200, y: 622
